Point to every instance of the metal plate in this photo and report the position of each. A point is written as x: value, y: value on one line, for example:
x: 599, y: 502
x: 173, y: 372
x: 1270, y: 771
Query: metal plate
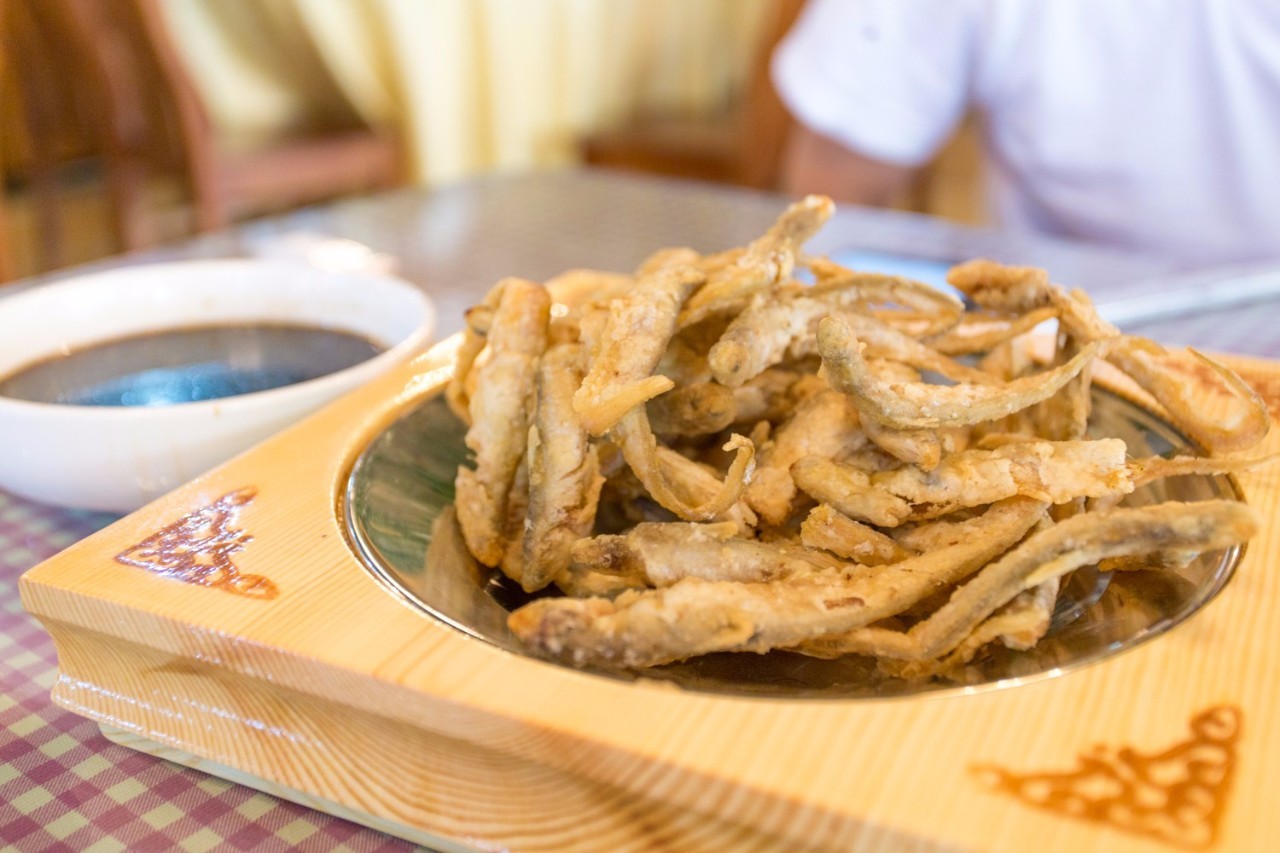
x: 403, y: 482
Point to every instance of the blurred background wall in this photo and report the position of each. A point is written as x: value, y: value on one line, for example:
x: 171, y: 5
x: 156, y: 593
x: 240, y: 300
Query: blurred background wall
x: 124, y: 123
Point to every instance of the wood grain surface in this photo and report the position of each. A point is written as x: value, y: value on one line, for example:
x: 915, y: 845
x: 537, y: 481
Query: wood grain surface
x: 336, y: 689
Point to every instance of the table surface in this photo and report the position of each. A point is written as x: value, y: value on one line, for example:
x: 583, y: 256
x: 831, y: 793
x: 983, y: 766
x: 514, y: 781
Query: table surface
x: 65, y: 786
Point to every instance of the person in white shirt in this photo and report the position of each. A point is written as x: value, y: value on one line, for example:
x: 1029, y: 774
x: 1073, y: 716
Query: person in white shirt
x: 1146, y: 124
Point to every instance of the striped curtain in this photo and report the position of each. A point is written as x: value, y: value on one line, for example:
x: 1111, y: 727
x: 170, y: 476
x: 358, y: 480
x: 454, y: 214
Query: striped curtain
x: 472, y: 85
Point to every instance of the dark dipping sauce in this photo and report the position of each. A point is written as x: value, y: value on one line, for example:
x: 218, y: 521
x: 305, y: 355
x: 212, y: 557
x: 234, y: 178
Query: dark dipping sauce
x: 188, y: 365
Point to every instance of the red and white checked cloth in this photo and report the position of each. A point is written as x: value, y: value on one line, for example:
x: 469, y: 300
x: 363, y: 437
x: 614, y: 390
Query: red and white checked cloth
x: 64, y: 786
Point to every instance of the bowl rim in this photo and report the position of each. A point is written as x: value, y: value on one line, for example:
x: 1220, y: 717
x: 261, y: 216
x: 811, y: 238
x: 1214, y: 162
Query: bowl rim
x: 414, y: 341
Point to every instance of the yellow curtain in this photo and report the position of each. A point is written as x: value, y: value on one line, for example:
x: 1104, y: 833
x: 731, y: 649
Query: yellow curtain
x: 472, y: 85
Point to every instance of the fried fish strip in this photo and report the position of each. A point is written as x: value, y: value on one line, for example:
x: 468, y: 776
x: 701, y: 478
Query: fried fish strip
x: 475, y: 334
x: 501, y: 409
x: 917, y: 405
x: 564, y: 473
x: 512, y: 563
x: 772, y: 394
x: 935, y: 311
x: 664, y: 554
x: 771, y: 329
x: 694, y: 617
x: 925, y: 536
x: 1155, y: 369
x: 640, y: 448
x: 1051, y: 553
x: 580, y: 583
x: 684, y: 363
x: 884, y: 341
x: 1158, y: 467
x: 981, y: 334
x: 826, y: 528
x: 1009, y: 289
x: 849, y: 490
x: 919, y: 447
x: 825, y: 424
x: 639, y: 327
x: 583, y: 287
x: 1078, y: 317
x: 760, y: 336
x: 1017, y: 290
x: 695, y: 484
x: 1051, y: 471
x: 768, y: 261
x: 1020, y: 624
x: 700, y: 408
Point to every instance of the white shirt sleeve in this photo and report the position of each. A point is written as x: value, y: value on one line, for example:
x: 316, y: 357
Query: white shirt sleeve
x: 887, y: 78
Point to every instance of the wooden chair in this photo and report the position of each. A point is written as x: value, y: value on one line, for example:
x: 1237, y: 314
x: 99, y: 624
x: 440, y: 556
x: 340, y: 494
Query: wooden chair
x: 138, y: 106
x: 743, y: 146
x: 38, y: 125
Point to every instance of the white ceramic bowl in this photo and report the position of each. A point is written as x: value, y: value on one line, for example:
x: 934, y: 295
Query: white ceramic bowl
x: 118, y: 458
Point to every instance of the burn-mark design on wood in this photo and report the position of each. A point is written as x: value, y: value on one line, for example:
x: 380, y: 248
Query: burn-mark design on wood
x: 1176, y: 796
x: 198, y: 549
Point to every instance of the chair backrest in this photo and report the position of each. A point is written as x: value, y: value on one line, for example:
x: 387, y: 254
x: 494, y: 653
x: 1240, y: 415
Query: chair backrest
x: 145, y: 112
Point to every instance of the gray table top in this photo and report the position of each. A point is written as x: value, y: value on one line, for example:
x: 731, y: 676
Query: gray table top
x: 456, y: 241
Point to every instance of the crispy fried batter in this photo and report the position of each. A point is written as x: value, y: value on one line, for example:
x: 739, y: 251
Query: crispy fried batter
x: 766, y: 262
x: 850, y: 491
x: 639, y: 327
x: 771, y: 329
x: 640, y: 448
x: 1055, y: 472
x: 954, y: 494
x: 977, y: 333
x: 916, y: 405
x: 1020, y: 624
x: 1009, y: 289
x: 1017, y: 290
x: 1052, y: 553
x: 919, y: 447
x: 664, y: 554
x: 501, y: 411
x: 934, y: 311
x: 1156, y: 370
x: 760, y: 336
x: 696, y: 484
x: 1158, y: 467
x: 826, y: 528
x: 700, y: 408
x: 564, y: 476
x: 586, y: 286
x: 694, y: 617
x: 826, y: 425
x: 512, y: 563
x: 474, y: 335
x: 676, y: 256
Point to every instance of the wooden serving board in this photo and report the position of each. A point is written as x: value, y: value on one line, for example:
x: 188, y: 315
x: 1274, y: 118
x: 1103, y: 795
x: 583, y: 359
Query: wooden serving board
x: 230, y: 624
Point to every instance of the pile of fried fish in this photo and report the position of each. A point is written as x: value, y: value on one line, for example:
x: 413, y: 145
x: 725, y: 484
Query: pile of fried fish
x: 710, y: 455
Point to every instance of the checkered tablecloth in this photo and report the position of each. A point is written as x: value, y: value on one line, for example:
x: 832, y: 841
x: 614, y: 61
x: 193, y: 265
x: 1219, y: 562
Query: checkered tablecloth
x: 64, y: 786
